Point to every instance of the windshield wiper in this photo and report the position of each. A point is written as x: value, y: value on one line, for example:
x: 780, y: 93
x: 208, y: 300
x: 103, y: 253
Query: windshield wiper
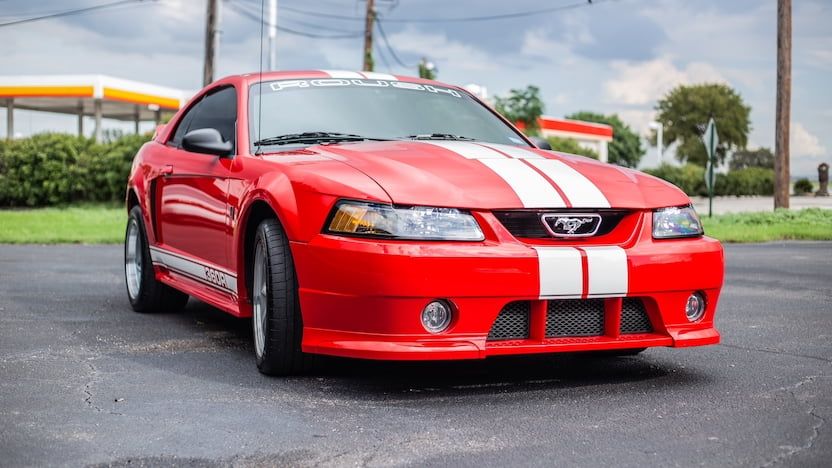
x: 439, y: 136
x: 312, y: 137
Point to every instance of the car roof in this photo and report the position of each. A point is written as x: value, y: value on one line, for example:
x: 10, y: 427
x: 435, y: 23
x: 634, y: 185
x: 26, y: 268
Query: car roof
x: 247, y: 79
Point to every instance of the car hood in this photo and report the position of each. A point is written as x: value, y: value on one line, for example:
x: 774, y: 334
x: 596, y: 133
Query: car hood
x: 489, y: 176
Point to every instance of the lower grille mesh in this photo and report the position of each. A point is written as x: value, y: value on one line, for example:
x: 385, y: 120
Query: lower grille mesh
x: 575, y: 317
x: 634, y: 318
x: 512, y: 323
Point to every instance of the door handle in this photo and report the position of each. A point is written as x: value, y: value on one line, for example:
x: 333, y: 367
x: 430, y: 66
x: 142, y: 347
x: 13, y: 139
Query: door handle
x: 166, y: 170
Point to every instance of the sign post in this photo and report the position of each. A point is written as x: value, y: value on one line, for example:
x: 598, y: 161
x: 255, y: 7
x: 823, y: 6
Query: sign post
x: 711, y: 140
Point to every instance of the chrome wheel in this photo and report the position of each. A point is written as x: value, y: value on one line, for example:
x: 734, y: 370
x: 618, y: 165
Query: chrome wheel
x: 133, y: 259
x: 260, y: 299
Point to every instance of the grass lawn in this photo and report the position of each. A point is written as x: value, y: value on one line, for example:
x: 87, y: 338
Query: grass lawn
x: 97, y: 224
x: 805, y: 224
x: 87, y: 224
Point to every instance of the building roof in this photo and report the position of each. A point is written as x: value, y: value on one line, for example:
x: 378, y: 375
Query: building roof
x: 73, y: 94
x: 575, y: 129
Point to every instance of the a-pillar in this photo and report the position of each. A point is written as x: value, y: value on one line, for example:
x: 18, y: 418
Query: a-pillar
x: 9, y: 118
x: 97, y: 132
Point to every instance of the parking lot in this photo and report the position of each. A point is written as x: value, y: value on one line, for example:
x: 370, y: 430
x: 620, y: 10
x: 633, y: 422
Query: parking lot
x: 84, y: 380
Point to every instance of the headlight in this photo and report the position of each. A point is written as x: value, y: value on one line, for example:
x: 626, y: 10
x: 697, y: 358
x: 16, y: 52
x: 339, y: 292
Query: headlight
x: 418, y: 222
x: 676, y: 222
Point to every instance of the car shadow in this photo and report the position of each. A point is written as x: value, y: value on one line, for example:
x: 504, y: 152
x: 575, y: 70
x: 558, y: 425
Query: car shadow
x: 359, y: 379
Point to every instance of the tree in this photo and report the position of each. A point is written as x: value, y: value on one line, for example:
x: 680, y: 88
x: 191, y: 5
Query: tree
x: 625, y: 148
x: 685, y: 112
x: 567, y: 145
x: 427, y: 70
x: 522, y: 105
x: 761, y: 157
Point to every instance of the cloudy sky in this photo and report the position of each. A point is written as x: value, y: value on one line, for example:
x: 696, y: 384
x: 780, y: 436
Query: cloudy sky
x: 615, y: 56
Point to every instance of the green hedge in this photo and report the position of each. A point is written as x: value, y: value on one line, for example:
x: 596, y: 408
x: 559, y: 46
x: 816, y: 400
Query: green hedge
x: 54, y: 169
x: 691, y: 179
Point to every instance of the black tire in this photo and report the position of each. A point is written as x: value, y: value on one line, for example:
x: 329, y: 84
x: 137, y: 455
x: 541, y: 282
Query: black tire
x: 281, y: 328
x: 147, y: 294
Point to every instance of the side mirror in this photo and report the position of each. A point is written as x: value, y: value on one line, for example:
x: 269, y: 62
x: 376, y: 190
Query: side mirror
x: 206, y: 140
x: 541, y: 143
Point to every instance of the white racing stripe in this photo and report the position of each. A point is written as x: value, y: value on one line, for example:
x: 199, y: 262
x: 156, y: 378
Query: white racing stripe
x: 533, y: 190
x: 468, y: 150
x: 379, y: 76
x: 608, y: 272
x: 514, y: 151
x: 579, y: 190
x: 343, y: 74
x: 561, y: 273
x: 207, y: 274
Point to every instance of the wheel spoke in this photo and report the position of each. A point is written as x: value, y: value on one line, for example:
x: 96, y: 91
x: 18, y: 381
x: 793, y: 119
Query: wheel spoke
x: 260, y: 301
x: 133, y: 259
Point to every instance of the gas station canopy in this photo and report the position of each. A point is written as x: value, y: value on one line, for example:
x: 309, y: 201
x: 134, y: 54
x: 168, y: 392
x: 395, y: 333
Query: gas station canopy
x: 98, y: 96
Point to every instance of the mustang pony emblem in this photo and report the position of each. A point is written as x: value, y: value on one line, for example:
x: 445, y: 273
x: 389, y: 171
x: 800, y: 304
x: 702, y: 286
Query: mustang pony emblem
x: 570, y: 225
x: 577, y: 225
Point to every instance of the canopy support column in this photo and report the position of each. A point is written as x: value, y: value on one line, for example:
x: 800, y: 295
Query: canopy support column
x: 136, y: 120
x: 97, y: 133
x: 157, y: 116
x: 9, y: 119
x: 80, y: 118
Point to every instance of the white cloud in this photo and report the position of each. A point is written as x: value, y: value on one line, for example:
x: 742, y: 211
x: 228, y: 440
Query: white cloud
x: 638, y: 119
x: 644, y: 82
x: 442, y: 50
x: 803, y: 143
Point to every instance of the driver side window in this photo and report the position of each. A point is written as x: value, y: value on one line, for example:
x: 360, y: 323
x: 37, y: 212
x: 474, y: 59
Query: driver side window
x: 217, y: 110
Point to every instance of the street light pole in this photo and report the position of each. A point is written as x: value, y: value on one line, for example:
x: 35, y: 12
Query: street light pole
x: 659, y: 130
x: 272, y: 35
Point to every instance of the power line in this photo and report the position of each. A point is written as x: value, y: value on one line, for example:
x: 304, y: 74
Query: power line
x: 390, y: 47
x: 77, y: 11
x: 255, y: 10
x: 254, y: 17
x: 583, y: 3
x: 383, y: 58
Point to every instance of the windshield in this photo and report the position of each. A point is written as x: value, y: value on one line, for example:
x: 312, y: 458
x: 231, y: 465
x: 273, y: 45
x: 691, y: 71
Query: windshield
x: 376, y: 109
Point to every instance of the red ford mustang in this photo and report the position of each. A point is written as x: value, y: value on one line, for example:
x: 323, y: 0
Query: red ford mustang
x: 375, y: 216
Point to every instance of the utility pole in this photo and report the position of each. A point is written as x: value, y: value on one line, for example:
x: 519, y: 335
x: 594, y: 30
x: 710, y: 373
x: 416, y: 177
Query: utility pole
x: 272, y: 34
x: 368, y: 35
x: 784, y: 99
x: 212, y: 40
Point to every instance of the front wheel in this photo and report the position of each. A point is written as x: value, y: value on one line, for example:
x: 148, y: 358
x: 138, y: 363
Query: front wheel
x: 276, y: 318
x: 145, y: 293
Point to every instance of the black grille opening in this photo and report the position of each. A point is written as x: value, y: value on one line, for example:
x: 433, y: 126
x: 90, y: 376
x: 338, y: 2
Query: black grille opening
x: 575, y: 317
x: 512, y: 323
x: 528, y: 223
x: 634, y: 317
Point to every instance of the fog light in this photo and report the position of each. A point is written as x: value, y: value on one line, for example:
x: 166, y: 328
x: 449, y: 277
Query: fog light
x: 695, y: 307
x: 436, y: 316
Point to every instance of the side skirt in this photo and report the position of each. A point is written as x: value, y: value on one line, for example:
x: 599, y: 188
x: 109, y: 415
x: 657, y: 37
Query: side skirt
x: 209, y: 283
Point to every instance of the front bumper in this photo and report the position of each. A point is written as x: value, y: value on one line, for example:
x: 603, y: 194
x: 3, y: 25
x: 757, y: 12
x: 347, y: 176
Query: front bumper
x: 363, y: 298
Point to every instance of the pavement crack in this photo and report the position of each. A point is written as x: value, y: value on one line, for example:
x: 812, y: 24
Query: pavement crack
x: 773, y: 351
x: 819, y: 421
x: 88, y: 399
x: 88, y: 388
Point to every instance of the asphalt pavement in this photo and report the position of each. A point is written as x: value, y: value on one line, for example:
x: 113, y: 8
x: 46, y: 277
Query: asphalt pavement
x: 86, y: 381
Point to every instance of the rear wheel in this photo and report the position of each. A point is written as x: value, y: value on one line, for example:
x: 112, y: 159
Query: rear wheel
x: 145, y: 293
x: 276, y: 320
